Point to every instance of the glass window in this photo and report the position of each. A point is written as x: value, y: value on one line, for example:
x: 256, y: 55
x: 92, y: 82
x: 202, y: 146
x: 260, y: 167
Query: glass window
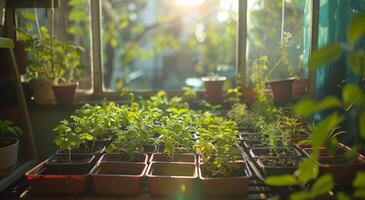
x: 275, y: 37
x: 71, y: 24
x: 167, y: 44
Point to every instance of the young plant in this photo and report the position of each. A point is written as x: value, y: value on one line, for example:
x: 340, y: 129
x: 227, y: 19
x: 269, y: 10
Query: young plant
x: 8, y: 130
x: 244, y: 119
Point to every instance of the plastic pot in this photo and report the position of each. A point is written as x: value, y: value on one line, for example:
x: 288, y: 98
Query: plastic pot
x: 125, y: 157
x: 64, y: 93
x: 43, y: 179
x: 299, y: 88
x: 42, y: 92
x: 118, y: 178
x: 171, y: 178
x: 236, y: 184
x: 177, y: 157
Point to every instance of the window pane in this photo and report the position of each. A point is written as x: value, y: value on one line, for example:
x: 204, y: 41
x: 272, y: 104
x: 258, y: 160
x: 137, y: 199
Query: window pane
x: 71, y: 24
x: 167, y: 44
x: 279, y: 47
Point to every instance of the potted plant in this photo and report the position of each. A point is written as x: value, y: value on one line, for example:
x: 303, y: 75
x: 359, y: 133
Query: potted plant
x: 222, y: 170
x: 9, y: 145
x: 66, y: 58
x: 214, y: 88
x: 22, y: 42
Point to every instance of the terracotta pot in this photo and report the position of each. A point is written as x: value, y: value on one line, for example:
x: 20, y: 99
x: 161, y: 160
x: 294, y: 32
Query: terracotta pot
x: 43, y: 179
x: 78, y: 162
x: 299, y: 88
x: 177, y: 157
x: 282, y: 90
x: 214, y: 89
x: 227, y: 186
x: 171, y: 178
x: 265, y: 164
x: 124, y: 157
x: 8, y: 156
x: 42, y: 92
x: 64, y: 93
x: 249, y: 95
x: 118, y: 178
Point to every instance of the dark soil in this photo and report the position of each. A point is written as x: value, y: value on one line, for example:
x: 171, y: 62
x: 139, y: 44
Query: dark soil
x: 119, y: 169
x: 62, y: 171
x: 276, y: 162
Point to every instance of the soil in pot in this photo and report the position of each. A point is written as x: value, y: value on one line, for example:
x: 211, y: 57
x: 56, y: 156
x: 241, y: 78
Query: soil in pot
x: 171, y: 178
x: 276, y: 166
x: 77, y: 162
x: 281, y: 90
x: 214, y: 89
x: 64, y: 93
x: 234, y: 184
x: 178, y: 157
x: 265, y: 153
x: 43, y: 179
x: 124, y: 157
x: 118, y: 178
x: 249, y: 137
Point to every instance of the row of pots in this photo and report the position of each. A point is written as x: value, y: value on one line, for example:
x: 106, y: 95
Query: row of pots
x: 120, y: 173
x: 342, y: 170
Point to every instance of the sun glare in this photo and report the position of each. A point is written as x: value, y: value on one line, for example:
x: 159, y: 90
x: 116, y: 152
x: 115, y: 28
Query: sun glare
x: 189, y: 2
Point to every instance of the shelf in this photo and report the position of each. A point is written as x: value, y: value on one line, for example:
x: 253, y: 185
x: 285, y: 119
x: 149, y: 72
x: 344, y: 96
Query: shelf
x: 16, y: 173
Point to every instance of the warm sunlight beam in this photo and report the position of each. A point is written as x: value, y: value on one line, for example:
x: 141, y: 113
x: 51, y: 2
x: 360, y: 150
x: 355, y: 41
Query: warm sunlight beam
x: 187, y: 3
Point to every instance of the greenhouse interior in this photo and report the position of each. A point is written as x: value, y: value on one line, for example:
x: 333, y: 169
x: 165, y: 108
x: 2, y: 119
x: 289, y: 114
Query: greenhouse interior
x: 182, y: 99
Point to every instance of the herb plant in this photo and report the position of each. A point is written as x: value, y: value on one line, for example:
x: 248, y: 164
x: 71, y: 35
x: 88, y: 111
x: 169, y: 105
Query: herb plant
x: 8, y: 129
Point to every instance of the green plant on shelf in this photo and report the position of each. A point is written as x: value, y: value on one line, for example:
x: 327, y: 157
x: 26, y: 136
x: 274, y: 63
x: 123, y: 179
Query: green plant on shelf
x: 233, y: 95
x: 243, y: 117
x: 8, y: 130
x: 353, y: 98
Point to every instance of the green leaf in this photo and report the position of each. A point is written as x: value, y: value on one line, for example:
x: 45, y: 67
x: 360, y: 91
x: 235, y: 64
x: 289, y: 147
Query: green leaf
x: 321, y: 132
x: 362, y: 125
x: 329, y: 53
x: 308, y: 169
x: 360, y: 194
x: 356, y: 60
x: 283, y: 180
x: 356, y: 29
x: 352, y: 94
x: 308, y: 106
x: 342, y: 196
x: 301, y: 195
x: 86, y: 136
x: 359, y: 181
x: 322, y: 185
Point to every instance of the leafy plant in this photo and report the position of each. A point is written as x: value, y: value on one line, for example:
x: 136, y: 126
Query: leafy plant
x: 8, y: 129
x: 233, y: 95
x: 244, y: 118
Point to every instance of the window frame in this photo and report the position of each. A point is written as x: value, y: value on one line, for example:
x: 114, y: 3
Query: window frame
x: 97, y: 91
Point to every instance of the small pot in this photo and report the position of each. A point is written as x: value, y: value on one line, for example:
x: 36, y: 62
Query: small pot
x: 214, y: 88
x: 226, y: 186
x: 43, y: 179
x: 177, y: 157
x: 265, y: 153
x: 171, y: 178
x: 281, y: 90
x: 118, y: 178
x: 8, y: 156
x: 78, y: 162
x: 42, y: 92
x: 124, y: 157
x: 273, y: 170
x: 299, y: 88
x: 249, y: 95
x: 64, y: 93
